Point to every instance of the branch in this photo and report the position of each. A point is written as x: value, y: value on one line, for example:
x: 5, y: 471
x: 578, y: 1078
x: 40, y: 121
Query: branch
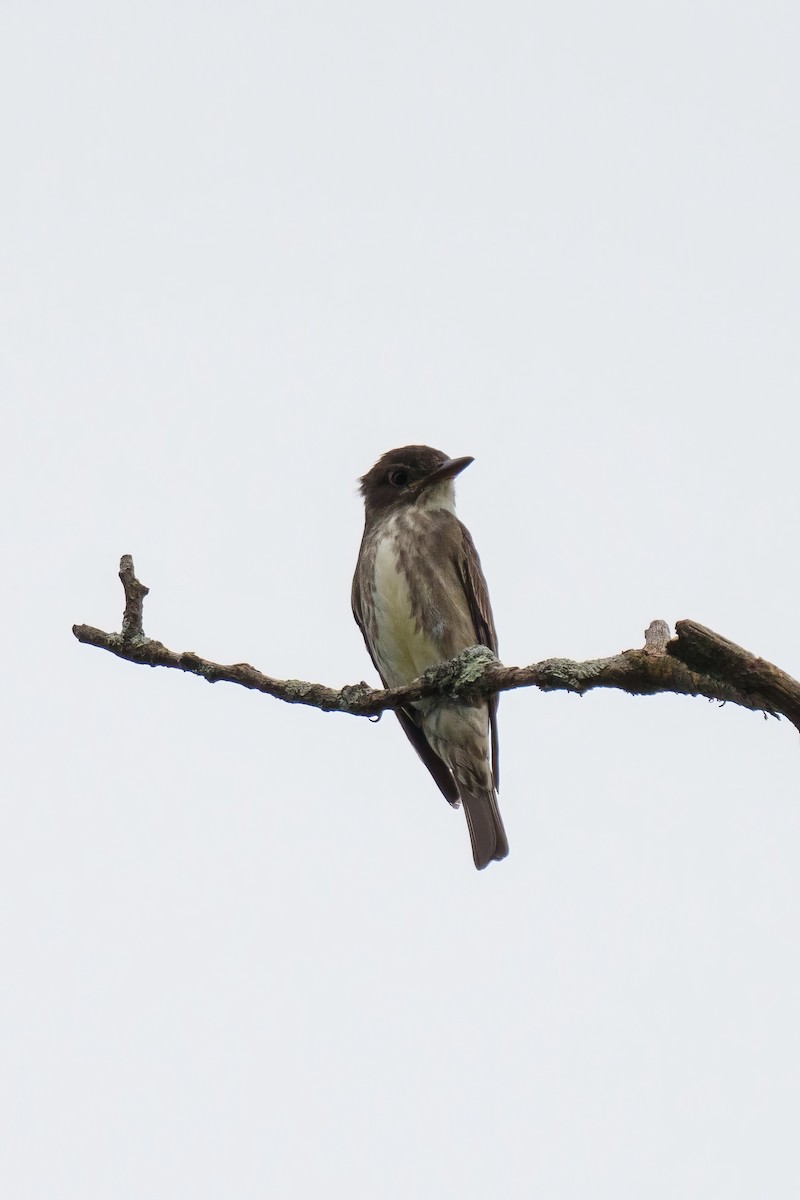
x: 697, y: 662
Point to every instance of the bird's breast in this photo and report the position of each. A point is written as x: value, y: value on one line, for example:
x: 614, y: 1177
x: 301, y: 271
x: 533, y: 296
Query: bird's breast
x: 406, y: 633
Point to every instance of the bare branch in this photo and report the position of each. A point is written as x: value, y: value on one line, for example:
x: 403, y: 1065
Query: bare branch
x: 697, y: 662
x: 135, y: 593
x: 770, y: 688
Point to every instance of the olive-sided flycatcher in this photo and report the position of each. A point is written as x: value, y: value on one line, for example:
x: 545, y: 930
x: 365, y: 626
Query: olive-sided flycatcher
x: 420, y: 598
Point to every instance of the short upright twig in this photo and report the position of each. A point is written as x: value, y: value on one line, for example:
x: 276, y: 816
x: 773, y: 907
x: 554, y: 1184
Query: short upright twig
x: 135, y: 593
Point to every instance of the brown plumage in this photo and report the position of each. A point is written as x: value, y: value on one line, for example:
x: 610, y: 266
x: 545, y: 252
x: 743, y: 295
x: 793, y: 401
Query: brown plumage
x: 419, y: 597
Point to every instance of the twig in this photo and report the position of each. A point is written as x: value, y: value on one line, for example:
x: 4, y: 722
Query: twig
x: 135, y: 593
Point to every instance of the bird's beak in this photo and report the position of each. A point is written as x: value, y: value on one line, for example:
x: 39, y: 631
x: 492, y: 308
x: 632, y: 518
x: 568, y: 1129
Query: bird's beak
x: 448, y: 470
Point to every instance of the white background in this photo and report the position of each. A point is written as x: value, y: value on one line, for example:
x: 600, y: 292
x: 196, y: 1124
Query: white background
x: 246, y: 248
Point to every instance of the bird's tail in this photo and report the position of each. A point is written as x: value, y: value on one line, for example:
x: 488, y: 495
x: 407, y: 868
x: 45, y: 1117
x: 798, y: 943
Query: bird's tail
x: 488, y: 837
x: 460, y: 736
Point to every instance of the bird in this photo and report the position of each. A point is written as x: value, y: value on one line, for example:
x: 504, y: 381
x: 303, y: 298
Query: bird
x: 419, y: 598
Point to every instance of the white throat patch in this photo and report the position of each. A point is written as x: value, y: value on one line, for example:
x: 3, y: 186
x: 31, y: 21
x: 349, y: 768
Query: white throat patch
x: 441, y: 495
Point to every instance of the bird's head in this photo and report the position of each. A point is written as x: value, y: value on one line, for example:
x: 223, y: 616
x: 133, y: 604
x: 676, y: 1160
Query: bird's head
x: 411, y: 475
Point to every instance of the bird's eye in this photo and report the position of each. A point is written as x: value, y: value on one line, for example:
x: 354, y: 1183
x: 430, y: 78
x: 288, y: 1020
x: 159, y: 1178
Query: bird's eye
x: 398, y: 477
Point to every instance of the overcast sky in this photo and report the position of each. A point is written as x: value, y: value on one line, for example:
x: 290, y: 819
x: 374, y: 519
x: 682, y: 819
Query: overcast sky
x: 246, y: 248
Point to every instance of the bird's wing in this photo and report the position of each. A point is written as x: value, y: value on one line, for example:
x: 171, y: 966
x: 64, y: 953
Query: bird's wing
x: 438, y: 769
x: 469, y: 568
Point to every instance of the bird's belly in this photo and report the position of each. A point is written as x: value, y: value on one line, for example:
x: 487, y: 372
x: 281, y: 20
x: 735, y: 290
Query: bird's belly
x: 402, y: 647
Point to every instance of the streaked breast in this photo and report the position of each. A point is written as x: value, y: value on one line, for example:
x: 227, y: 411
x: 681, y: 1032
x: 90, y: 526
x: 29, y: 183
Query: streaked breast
x: 403, y: 649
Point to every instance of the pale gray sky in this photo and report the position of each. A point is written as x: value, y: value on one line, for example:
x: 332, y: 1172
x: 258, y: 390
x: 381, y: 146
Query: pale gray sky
x: 246, y: 249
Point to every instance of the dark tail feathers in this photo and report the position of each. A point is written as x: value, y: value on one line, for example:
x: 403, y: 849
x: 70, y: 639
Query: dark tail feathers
x: 488, y: 837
